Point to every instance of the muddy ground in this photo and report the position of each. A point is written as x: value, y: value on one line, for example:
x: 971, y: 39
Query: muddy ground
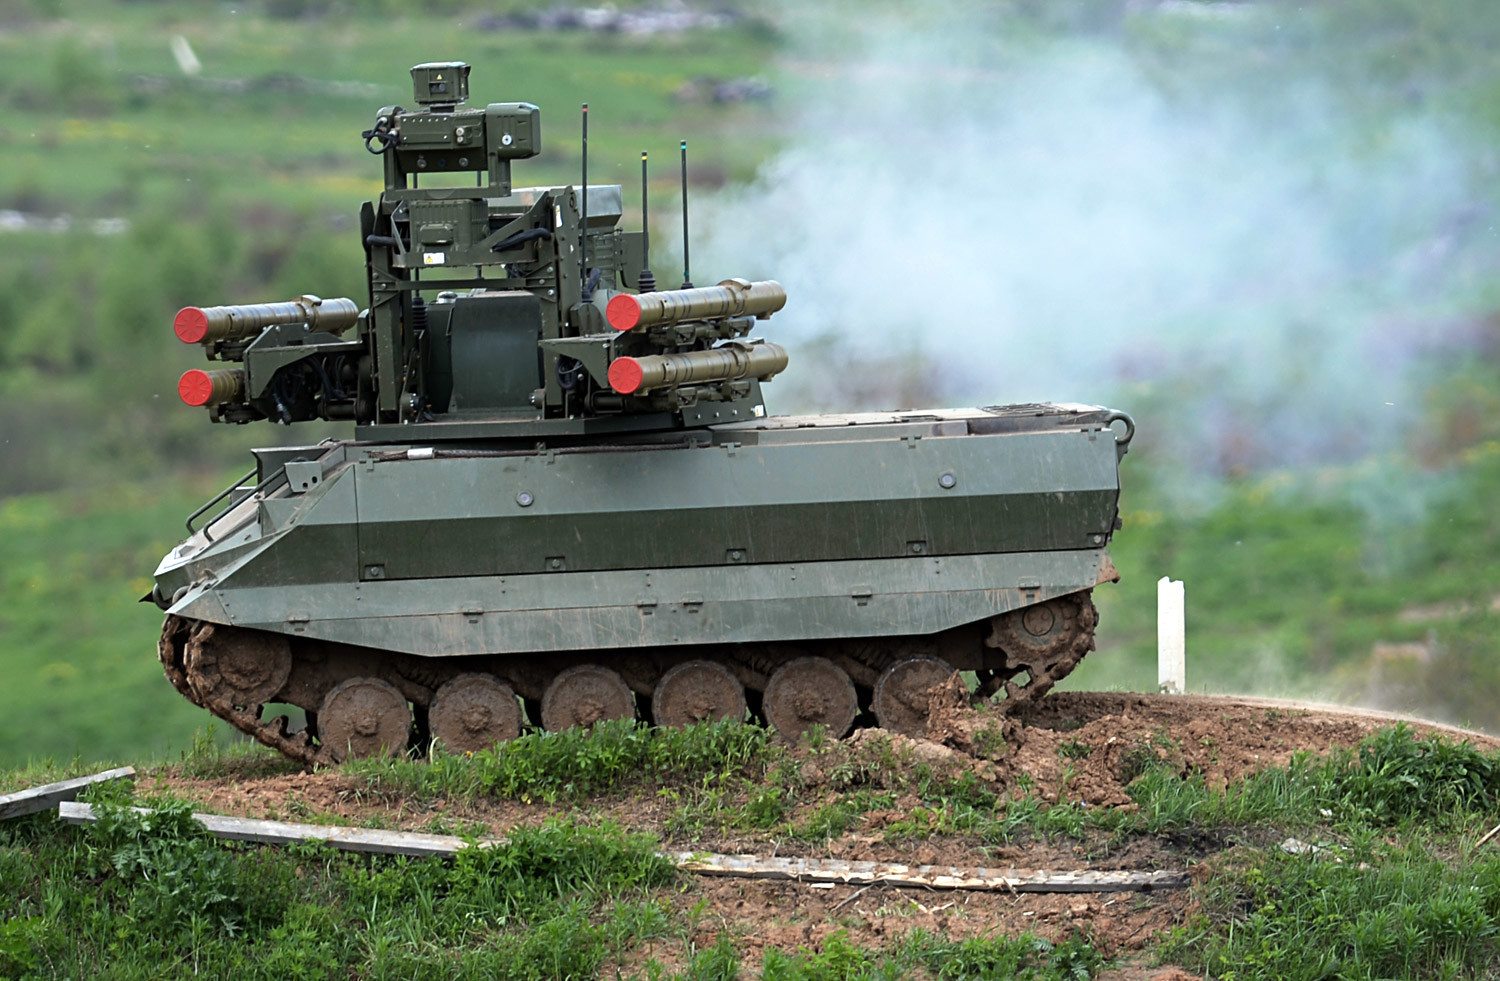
x: 1077, y: 747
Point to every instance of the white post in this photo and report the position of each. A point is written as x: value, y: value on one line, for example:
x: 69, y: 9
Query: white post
x: 187, y: 62
x: 1171, y: 636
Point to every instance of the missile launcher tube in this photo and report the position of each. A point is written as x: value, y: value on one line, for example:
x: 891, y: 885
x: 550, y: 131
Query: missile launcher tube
x: 731, y: 298
x: 212, y: 387
x: 734, y: 360
x: 204, y: 325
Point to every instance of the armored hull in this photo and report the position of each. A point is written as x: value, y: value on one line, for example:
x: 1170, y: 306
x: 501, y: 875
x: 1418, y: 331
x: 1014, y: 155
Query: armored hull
x: 857, y: 557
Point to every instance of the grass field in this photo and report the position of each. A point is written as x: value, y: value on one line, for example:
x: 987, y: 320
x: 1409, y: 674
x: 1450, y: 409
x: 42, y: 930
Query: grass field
x: 78, y: 647
x: 1394, y: 886
x: 86, y: 133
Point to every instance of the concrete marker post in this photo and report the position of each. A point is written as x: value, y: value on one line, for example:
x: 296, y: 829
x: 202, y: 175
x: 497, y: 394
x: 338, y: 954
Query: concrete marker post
x: 1171, y: 636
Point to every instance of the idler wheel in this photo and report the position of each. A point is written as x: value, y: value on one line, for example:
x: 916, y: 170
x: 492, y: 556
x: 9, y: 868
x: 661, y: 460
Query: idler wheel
x: 697, y: 691
x: 364, y: 717
x: 807, y: 692
x: 472, y: 712
x: 584, y: 695
x: 902, y: 693
x: 242, y: 667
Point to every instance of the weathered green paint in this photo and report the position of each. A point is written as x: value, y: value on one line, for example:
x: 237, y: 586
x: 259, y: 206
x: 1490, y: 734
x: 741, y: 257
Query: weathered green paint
x: 776, y: 503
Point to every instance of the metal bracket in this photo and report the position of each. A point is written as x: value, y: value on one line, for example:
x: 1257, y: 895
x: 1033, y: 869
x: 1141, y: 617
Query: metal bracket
x: 302, y: 475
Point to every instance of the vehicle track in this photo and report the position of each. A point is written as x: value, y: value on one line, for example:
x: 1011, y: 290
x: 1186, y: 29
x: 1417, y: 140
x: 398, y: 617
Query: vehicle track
x: 365, y: 702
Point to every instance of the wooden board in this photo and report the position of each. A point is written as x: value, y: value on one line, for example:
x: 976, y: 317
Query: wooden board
x: 284, y: 833
x: 927, y: 876
x: 821, y: 872
x: 48, y: 796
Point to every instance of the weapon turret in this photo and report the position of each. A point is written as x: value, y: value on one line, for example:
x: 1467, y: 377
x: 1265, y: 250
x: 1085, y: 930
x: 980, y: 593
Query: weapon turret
x: 493, y: 310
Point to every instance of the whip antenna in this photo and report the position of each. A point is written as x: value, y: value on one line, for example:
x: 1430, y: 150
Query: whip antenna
x: 645, y: 282
x: 586, y: 294
x: 687, y: 280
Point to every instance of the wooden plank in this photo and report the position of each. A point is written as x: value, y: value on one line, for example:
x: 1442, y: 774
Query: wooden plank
x: 285, y: 833
x: 46, y: 797
x: 823, y: 873
x: 927, y: 876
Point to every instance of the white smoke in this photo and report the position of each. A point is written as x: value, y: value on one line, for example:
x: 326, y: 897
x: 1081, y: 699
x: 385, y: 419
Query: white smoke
x: 1041, y: 218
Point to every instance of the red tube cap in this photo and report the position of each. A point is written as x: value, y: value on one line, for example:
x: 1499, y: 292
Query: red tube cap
x: 625, y: 375
x: 191, y: 325
x: 195, y: 387
x: 623, y: 311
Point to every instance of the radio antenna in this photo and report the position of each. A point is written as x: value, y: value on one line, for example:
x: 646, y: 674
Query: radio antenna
x: 645, y: 281
x: 687, y: 280
x: 586, y: 294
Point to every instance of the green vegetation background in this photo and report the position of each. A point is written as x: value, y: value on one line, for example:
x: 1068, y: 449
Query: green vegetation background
x: 243, y: 185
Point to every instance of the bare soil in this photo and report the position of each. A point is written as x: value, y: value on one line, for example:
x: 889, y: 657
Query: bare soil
x: 1078, y: 747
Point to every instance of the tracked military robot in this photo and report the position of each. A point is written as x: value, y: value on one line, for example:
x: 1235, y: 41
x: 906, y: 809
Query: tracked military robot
x: 565, y: 501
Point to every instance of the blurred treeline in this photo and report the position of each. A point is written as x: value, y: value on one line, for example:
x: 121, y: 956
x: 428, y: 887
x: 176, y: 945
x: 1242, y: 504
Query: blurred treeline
x: 129, y: 188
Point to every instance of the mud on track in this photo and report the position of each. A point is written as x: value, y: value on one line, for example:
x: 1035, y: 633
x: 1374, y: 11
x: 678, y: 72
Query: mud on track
x: 1075, y: 747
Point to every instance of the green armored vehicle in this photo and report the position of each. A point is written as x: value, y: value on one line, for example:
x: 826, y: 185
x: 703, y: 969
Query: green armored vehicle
x: 564, y: 501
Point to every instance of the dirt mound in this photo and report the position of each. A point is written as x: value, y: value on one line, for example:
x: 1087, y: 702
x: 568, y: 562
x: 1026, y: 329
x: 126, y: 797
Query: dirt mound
x: 1087, y: 747
x: 1073, y: 747
x: 1078, y: 747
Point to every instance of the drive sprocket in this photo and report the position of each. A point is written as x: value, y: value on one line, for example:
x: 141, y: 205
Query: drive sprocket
x: 1044, y: 643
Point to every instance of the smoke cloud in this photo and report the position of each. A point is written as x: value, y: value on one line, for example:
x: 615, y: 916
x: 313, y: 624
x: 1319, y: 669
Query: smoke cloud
x: 973, y: 209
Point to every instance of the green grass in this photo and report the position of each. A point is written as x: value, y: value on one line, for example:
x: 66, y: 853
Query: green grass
x: 82, y: 678
x: 612, y: 757
x: 561, y: 901
x: 557, y: 901
x: 1392, y: 780
x: 1028, y: 958
x: 1395, y: 887
x: 564, y: 900
x: 1369, y: 909
x: 85, y: 128
x: 567, y: 899
x: 729, y: 775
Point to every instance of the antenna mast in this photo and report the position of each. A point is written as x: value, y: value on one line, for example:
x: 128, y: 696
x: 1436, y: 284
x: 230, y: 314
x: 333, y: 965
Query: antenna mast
x: 586, y: 295
x: 645, y: 282
x: 687, y: 280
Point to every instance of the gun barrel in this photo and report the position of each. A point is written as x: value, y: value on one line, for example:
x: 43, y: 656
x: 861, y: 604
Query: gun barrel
x: 731, y: 298
x: 204, y: 325
x: 212, y: 387
x: 734, y: 360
